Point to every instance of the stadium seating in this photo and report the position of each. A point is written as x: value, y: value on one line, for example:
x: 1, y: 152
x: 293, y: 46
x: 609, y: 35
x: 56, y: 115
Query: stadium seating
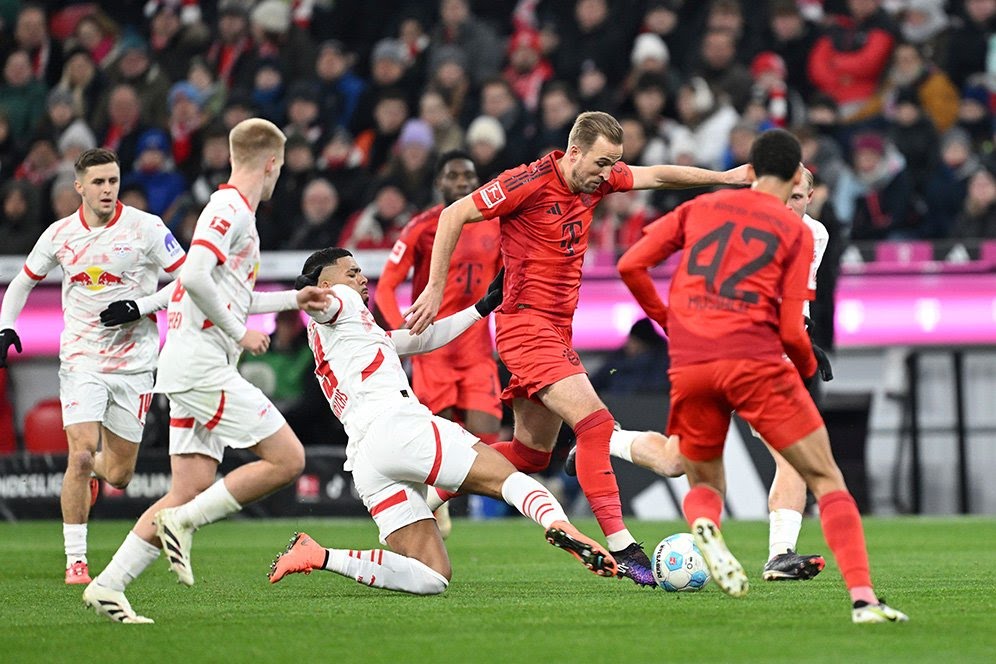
x: 43, y: 432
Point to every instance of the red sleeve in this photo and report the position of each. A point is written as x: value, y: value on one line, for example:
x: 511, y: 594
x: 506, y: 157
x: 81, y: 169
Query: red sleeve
x: 795, y: 341
x: 620, y: 178
x: 502, y: 196
x: 394, y: 273
x: 869, y: 60
x: 795, y: 277
x: 661, y: 239
x: 820, y: 65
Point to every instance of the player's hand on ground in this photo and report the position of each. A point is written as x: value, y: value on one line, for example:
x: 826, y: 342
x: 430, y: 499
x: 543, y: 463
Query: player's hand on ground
x: 119, y: 313
x: 492, y: 299
x: 823, y: 367
x: 423, y: 311
x: 255, y: 342
x: 738, y: 176
x: 8, y: 338
x: 312, y: 298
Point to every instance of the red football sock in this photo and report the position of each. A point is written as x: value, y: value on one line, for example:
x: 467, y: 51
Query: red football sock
x: 488, y: 438
x: 702, y: 501
x: 598, y: 480
x: 845, y: 537
x: 525, y: 459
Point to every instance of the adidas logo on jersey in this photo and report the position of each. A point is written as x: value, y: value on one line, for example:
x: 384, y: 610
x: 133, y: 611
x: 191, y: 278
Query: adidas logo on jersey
x: 554, y: 209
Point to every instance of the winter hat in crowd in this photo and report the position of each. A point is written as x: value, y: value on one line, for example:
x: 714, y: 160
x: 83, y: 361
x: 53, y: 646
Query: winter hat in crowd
x: 871, y: 142
x: 60, y: 96
x: 649, y: 45
x: 486, y: 129
x: 188, y: 91
x: 271, y: 16
x: 525, y: 38
x: 153, y: 139
x: 77, y: 135
x: 390, y: 49
x: 416, y: 132
x: 768, y: 62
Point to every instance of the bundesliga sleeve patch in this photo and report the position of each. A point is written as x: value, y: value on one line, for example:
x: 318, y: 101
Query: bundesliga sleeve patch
x: 397, y: 251
x: 492, y: 194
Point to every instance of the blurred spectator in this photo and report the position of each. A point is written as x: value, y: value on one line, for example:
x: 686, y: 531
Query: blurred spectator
x: 718, y: 66
x: 447, y: 134
x: 319, y: 224
x: 98, y: 34
x: 590, y: 36
x: 847, y: 62
x: 133, y: 195
x: 85, y: 82
x: 772, y: 103
x: 375, y: 144
x: 44, y: 53
x: 558, y: 109
x: 930, y: 87
x: 639, y: 366
x: 887, y: 209
x: 459, y: 28
x: 388, y: 76
x: 498, y: 101
x: 639, y: 148
x: 172, y: 43
x: 650, y: 57
x: 151, y: 84
x: 379, y: 224
x: 792, y: 37
x: 303, y: 117
x: 742, y: 136
x: 285, y: 203
x: 618, y: 222
x: 155, y: 172
x: 412, y: 34
x: 277, y: 37
x: 975, y: 111
x: 649, y: 101
x: 10, y: 154
x: 339, y: 89
x: 969, y: 41
x: 281, y: 373
x: 22, y: 97
x: 213, y: 92
x: 662, y: 19
x: 914, y: 136
x: 186, y: 123
x: 945, y: 191
x: 925, y: 24
x: 232, y: 54
x: 268, y: 90
x: 124, y: 125
x: 978, y: 217
x: 239, y: 106
x: 728, y: 16
x: 527, y: 68
x: 825, y: 159
x: 64, y: 200
x: 20, y: 217
x: 822, y: 114
x: 448, y: 75
x: 486, y: 144
x: 709, y: 119
x: 411, y: 165
x: 60, y: 116
x: 40, y: 166
x: 215, y: 166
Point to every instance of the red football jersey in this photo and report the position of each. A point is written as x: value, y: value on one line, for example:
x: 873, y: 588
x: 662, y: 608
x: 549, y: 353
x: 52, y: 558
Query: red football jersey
x: 544, y: 233
x: 743, y: 252
x: 475, y: 262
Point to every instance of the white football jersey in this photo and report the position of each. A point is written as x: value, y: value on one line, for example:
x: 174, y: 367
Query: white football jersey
x: 197, y: 353
x: 821, y: 238
x: 357, y: 365
x: 118, y: 261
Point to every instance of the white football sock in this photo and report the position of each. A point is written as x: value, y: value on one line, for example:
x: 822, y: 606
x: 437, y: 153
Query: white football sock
x: 130, y: 560
x: 379, y: 568
x: 783, y: 531
x: 621, y: 444
x: 432, y: 499
x: 214, y: 504
x: 532, y: 499
x: 74, y: 540
x: 619, y: 540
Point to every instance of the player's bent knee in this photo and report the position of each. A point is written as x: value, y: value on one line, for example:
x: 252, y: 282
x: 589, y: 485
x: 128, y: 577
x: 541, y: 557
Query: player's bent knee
x: 119, y: 477
x: 80, y: 463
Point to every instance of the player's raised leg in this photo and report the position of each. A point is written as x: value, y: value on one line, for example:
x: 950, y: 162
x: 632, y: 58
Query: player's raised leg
x: 786, y: 503
x: 648, y: 449
x: 841, y: 522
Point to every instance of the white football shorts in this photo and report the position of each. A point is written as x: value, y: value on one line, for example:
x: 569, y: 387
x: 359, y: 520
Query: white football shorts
x: 238, y: 415
x: 118, y: 401
x: 403, y: 452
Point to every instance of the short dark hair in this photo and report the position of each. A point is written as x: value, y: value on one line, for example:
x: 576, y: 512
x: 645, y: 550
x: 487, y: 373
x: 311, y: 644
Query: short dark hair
x: 776, y: 152
x: 95, y: 157
x: 452, y: 155
x: 317, y: 262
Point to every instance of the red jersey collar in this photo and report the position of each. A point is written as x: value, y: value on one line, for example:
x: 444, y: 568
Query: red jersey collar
x: 118, y: 207
x: 244, y: 199
x: 555, y: 159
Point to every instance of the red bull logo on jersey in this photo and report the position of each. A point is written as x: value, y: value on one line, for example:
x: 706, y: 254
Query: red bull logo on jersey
x: 95, y: 278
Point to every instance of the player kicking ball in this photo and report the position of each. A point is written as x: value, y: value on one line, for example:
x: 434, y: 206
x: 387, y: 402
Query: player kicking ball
x: 397, y: 448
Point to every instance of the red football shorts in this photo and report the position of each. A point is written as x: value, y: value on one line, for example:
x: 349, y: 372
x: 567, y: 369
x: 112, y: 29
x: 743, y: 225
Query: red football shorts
x: 536, y: 351
x: 770, y: 395
x: 439, y: 385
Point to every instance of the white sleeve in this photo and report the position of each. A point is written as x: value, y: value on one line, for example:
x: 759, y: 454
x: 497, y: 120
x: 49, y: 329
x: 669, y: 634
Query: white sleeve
x: 196, y: 276
x: 436, y: 335
x: 158, y: 301
x: 337, y: 302
x: 14, y: 299
x: 264, y: 302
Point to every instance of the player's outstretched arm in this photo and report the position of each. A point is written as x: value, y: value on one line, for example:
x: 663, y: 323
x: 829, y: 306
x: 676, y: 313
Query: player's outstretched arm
x: 661, y: 238
x: 423, y: 311
x: 447, y: 329
x: 666, y: 176
x: 795, y: 340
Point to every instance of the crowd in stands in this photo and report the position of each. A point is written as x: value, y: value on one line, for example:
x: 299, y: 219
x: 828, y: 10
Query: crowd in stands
x: 893, y: 101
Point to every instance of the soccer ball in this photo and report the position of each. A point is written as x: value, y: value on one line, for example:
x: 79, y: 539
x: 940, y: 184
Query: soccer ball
x: 679, y: 565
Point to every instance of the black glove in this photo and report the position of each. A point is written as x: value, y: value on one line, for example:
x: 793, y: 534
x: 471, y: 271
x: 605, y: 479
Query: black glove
x: 8, y: 338
x: 823, y: 367
x: 119, y: 313
x: 492, y: 299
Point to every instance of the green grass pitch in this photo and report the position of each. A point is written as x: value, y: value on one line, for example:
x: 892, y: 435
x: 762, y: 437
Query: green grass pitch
x: 513, y: 598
